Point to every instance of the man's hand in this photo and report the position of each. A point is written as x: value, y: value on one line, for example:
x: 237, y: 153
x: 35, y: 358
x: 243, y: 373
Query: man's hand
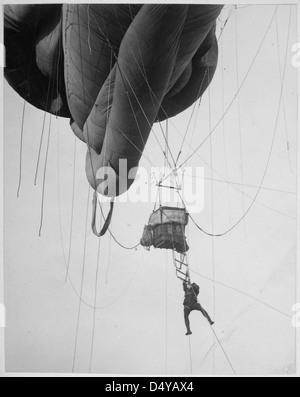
x: 187, y: 276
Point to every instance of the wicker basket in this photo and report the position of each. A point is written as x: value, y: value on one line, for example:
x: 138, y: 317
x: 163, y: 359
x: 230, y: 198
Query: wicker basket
x: 169, y: 215
x: 147, y: 239
x: 170, y: 236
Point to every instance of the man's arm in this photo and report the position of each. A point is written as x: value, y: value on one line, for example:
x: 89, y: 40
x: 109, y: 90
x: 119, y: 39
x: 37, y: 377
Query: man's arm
x: 185, y: 286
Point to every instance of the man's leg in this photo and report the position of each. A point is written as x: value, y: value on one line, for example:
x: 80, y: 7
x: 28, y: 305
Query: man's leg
x: 187, y: 320
x: 198, y: 307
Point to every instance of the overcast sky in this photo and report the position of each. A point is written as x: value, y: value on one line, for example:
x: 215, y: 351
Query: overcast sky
x: 139, y: 325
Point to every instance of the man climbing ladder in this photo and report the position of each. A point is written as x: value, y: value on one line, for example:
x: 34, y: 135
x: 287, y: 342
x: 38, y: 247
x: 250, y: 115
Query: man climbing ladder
x: 191, y: 302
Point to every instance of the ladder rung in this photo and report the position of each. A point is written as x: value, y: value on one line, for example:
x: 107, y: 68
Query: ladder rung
x: 182, y: 263
x: 181, y: 272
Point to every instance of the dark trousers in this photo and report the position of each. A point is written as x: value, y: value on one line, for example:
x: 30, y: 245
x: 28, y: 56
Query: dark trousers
x: 188, y: 310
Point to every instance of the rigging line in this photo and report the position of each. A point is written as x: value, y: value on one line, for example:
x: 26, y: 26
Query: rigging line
x: 59, y: 201
x: 236, y: 95
x: 84, y: 302
x: 270, y: 153
x: 84, y: 90
x: 166, y: 160
x: 237, y: 223
x: 88, y: 137
x: 253, y: 202
x: 82, y: 282
x: 143, y: 74
x: 24, y: 105
x: 45, y: 112
x: 67, y: 263
x: 93, y: 171
x: 47, y: 151
x: 167, y: 149
x: 95, y: 303
x: 89, y: 30
x: 277, y: 117
x: 238, y: 291
x: 242, y: 7
x: 112, y: 235
x: 121, y: 132
x: 224, y: 129
x: 95, y: 198
x: 237, y: 189
x: 225, y: 354
x: 163, y: 108
x: 187, y: 275
x: 142, y: 67
x: 214, y: 344
x: 84, y: 95
x: 110, y: 238
x: 129, y: 140
x: 173, y: 125
x: 212, y: 209
x: 207, y: 70
x: 21, y: 150
x: 59, y: 197
x: 191, y: 360
x: 157, y: 199
x: 239, y: 112
x: 58, y: 82
x: 152, y: 94
x: 191, y: 117
x: 123, y: 77
x: 225, y: 23
x: 131, y: 13
x: 167, y: 146
x: 44, y: 178
x: 166, y: 157
x: 109, y: 258
x: 166, y: 300
x: 40, y: 150
x: 117, y: 128
x: 195, y: 124
x: 239, y: 184
x: 223, y: 340
x: 32, y: 54
x: 283, y: 98
x: 105, y: 150
x: 72, y: 209
x: 250, y: 198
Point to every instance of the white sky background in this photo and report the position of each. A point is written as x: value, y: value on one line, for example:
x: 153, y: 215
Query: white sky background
x: 143, y: 331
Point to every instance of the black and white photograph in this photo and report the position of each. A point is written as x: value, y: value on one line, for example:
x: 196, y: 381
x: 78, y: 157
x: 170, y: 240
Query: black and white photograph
x: 149, y: 180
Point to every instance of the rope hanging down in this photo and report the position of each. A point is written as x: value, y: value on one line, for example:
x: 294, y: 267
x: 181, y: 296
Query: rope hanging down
x: 108, y: 219
x: 223, y: 350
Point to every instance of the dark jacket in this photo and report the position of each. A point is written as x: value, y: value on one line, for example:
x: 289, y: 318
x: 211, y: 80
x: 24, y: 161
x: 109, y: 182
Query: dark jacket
x: 190, y: 294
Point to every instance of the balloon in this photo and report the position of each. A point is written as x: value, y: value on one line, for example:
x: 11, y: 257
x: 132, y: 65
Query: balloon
x: 34, y: 56
x: 114, y: 70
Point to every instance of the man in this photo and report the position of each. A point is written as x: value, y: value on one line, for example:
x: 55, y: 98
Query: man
x: 191, y: 303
